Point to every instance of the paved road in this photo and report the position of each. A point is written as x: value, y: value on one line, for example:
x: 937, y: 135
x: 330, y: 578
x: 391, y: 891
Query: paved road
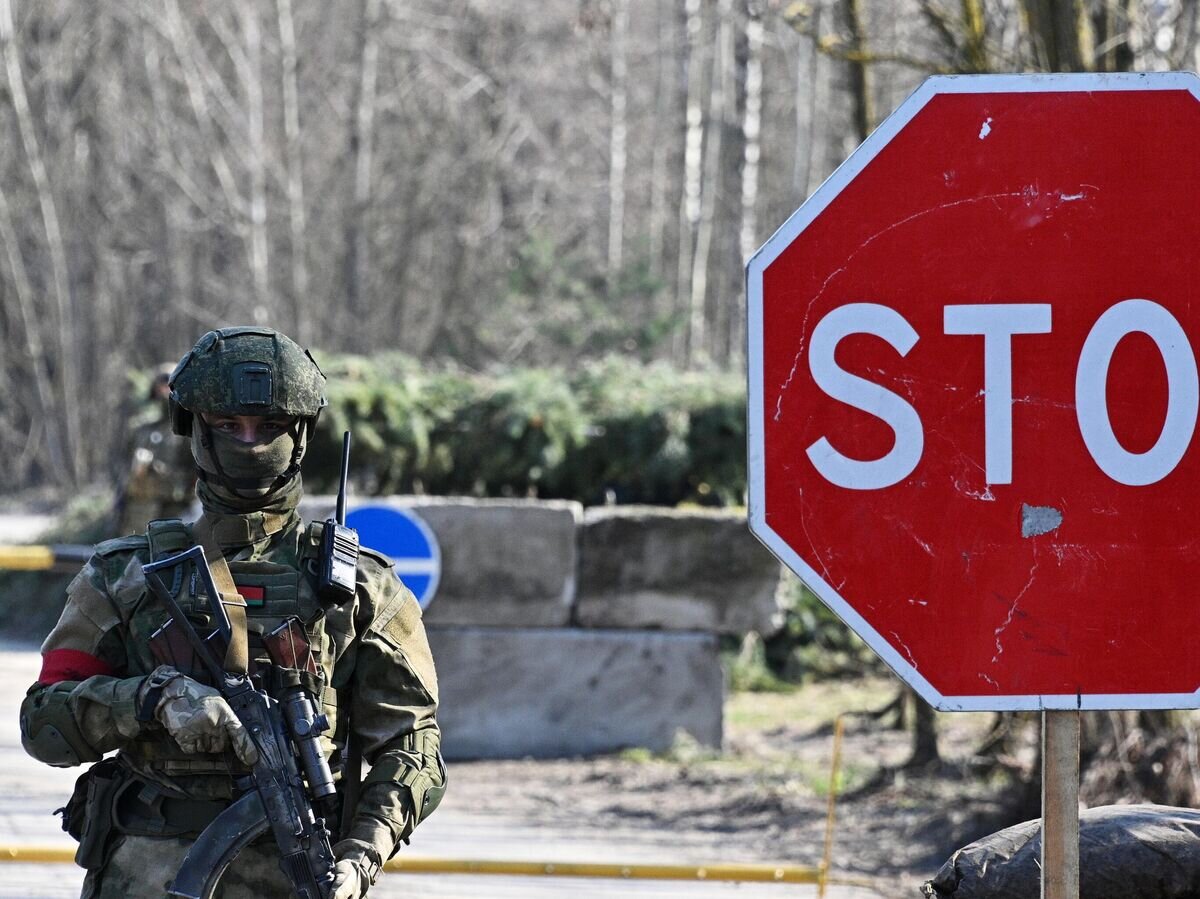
x: 29, y: 791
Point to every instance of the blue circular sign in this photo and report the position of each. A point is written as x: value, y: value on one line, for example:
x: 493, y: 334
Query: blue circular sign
x: 405, y: 539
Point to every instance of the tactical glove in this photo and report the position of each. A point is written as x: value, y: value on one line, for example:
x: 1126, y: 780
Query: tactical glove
x: 349, y: 881
x: 356, y: 869
x: 199, y: 718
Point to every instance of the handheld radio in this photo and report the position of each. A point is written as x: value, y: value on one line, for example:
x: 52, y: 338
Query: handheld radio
x: 338, y: 561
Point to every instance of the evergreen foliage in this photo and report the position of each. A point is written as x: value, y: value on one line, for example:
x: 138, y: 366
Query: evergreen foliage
x: 612, y: 430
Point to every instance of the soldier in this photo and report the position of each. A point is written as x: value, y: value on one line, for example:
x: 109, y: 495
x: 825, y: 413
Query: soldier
x: 159, y: 481
x: 248, y: 398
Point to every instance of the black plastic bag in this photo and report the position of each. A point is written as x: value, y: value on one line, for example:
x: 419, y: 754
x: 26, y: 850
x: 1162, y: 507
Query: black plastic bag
x: 1125, y: 851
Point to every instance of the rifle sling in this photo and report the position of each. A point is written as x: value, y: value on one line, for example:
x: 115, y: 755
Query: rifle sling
x: 351, y: 769
x: 237, y: 656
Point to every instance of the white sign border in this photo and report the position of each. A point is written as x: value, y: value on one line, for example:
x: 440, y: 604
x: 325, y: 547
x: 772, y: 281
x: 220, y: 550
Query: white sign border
x: 774, y: 247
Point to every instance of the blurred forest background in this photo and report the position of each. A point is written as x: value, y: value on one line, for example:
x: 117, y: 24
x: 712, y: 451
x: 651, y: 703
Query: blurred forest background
x: 484, y: 185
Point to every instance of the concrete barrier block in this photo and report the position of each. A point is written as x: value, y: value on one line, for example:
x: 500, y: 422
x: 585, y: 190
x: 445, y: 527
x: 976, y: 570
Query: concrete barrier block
x: 652, y: 567
x: 547, y: 693
x: 505, y: 563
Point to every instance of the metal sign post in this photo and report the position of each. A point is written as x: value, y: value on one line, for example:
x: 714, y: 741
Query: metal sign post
x: 1060, y: 804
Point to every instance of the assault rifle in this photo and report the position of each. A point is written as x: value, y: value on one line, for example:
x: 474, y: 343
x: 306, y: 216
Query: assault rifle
x: 285, y: 728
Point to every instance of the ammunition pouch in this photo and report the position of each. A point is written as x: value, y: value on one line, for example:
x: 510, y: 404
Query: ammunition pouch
x: 110, y: 800
x: 144, y: 809
x: 88, y: 814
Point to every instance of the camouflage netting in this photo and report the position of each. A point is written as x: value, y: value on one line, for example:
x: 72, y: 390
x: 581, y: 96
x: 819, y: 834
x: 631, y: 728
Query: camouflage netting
x: 610, y: 430
x: 1143, y: 851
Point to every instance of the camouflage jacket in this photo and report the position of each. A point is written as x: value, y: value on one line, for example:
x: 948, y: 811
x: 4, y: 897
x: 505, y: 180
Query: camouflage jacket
x: 160, y: 465
x: 372, y: 653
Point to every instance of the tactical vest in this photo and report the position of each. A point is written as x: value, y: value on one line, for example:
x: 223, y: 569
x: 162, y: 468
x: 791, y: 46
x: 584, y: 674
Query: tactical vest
x: 273, y: 592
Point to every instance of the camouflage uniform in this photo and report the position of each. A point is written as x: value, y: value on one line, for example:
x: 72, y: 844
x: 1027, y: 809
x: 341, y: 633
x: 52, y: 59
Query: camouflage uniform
x: 375, y: 670
x: 160, y: 479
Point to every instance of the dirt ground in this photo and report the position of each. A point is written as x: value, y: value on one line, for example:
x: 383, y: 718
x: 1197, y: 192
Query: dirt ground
x: 764, y: 797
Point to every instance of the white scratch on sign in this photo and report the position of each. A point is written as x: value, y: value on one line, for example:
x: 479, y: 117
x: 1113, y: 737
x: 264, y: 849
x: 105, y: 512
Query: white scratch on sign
x: 1075, y: 552
x: 907, y: 651
x: 921, y: 543
x: 811, y: 545
x: 985, y: 496
x: 990, y: 681
x: 986, y: 129
x: 1012, y: 611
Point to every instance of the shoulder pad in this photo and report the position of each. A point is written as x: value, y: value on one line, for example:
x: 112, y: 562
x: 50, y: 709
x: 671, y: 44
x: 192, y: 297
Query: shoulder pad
x: 131, y: 543
x: 367, y: 553
x: 310, y: 536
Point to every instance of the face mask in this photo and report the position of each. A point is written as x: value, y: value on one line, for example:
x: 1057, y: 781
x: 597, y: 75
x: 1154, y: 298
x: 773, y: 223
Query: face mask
x: 252, y: 469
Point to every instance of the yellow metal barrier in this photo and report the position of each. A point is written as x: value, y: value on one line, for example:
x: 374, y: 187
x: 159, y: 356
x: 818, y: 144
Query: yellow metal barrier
x: 26, y: 558
x: 740, y: 873
x: 716, y: 872
x: 36, y: 854
x: 61, y: 557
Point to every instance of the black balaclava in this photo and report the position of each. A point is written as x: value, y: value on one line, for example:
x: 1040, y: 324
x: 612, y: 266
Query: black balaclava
x: 237, y: 478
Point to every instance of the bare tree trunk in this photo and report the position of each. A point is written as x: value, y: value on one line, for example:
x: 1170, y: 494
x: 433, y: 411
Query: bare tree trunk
x: 1184, y: 45
x: 1060, y: 34
x: 925, y: 747
x: 180, y: 281
x: 88, y: 183
x: 807, y: 134
x: 67, y: 349
x: 617, y: 136
x: 751, y: 132
x: 689, y: 205
x: 860, y: 72
x: 975, y: 53
x: 658, y: 164
x: 182, y: 42
x: 358, y: 263
x: 1111, y: 35
x: 260, y: 263
x: 295, y: 174
x: 35, y: 350
x: 699, y: 349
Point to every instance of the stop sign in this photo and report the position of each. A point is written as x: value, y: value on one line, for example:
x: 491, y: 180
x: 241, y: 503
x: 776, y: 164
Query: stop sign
x: 973, y: 391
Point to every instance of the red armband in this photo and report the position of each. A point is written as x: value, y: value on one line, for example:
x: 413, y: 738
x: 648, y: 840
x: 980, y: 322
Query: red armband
x: 71, y: 664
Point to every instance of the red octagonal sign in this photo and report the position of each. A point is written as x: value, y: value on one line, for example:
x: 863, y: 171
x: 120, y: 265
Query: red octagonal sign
x: 973, y: 391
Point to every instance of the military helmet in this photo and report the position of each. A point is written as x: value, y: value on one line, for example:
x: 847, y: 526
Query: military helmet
x: 246, y: 371
x: 160, y: 378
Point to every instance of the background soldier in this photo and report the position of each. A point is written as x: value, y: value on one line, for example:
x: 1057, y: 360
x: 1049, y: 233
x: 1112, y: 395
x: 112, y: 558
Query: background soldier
x: 248, y: 398
x: 161, y: 475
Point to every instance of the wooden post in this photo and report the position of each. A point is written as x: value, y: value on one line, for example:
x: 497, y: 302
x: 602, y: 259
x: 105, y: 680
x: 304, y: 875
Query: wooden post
x: 1060, y: 804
